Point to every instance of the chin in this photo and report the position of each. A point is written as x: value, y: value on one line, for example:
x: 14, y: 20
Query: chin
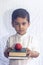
x: 21, y: 33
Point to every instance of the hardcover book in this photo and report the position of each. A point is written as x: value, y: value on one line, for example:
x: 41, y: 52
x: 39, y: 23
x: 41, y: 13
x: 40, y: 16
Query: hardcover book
x: 18, y: 58
x: 17, y: 53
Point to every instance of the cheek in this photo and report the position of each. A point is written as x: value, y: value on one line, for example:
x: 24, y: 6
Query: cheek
x: 17, y: 27
x: 26, y: 26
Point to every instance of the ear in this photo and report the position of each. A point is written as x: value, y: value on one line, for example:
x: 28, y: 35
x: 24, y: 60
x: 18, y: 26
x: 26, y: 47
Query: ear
x: 28, y: 24
x: 12, y: 24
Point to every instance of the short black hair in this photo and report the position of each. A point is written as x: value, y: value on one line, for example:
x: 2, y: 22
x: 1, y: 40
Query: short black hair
x: 20, y: 13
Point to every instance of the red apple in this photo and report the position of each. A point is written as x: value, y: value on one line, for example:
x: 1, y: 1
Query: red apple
x: 18, y: 46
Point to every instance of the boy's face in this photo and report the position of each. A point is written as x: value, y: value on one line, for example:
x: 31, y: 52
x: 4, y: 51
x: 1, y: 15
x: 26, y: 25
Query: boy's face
x: 21, y: 25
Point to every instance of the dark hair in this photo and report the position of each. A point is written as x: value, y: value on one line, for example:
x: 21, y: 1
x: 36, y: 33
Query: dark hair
x: 20, y: 13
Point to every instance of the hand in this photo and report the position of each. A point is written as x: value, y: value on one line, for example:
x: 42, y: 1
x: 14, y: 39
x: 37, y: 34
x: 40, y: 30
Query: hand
x: 28, y: 51
x: 6, y: 53
x: 32, y: 54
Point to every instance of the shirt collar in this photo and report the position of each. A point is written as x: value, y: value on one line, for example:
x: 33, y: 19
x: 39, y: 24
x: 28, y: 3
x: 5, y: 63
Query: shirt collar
x: 22, y: 35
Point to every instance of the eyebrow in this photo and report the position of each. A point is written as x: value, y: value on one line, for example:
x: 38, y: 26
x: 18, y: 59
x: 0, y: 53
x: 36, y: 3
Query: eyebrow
x: 17, y: 22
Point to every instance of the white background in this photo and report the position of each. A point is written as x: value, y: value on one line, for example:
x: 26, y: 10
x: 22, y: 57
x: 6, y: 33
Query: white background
x: 35, y: 8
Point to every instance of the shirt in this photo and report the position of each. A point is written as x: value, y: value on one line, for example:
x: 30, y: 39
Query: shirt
x: 27, y: 41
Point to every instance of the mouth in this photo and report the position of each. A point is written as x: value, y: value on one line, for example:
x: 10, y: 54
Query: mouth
x: 21, y: 30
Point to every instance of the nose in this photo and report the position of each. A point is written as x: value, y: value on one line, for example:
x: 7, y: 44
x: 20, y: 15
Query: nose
x: 20, y: 26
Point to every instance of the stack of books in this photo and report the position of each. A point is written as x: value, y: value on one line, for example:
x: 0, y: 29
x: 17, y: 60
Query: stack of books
x: 18, y: 54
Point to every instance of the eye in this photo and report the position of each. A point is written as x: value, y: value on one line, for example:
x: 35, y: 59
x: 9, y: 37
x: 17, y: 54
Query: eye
x: 16, y: 23
x: 24, y: 23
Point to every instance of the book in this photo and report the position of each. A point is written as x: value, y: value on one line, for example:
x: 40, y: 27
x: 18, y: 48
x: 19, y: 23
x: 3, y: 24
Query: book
x: 17, y: 53
x: 19, y: 58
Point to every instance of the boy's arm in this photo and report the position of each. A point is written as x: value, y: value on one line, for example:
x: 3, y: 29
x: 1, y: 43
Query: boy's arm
x: 32, y: 54
x: 33, y: 48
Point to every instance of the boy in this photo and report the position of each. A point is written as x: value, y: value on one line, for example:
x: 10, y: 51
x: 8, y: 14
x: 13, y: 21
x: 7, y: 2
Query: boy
x: 21, y: 22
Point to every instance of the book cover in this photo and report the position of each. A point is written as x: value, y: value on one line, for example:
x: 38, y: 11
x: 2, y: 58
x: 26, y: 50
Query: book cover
x: 18, y: 58
x: 17, y: 53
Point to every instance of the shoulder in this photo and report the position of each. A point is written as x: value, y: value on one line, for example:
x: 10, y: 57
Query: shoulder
x: 11, y: 37
x: 34, y: 39
x: 30, y: 37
